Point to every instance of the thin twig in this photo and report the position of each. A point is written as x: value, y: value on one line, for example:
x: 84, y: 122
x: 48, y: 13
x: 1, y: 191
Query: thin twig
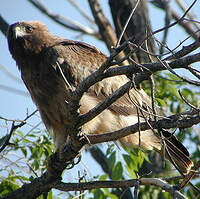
x: 12, y: 130
x: 165, y: 64
x: 167, y: 22
x: 172, y: 24
x: 105, y: 28
x: 189, y: 104
x: 81, y: 11
x: 187, y: 27
x: 194, y: 71
x: 126, y: 24
x: 189, y: 14
x: 64, y: 21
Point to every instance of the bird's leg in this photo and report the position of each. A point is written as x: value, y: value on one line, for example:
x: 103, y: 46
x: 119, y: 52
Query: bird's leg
x: 73, y: 146
x: 54, y: 169
x: 56, y: 165
x: 65, y: 155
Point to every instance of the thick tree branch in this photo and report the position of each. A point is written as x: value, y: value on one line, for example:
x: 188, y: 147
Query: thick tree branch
x: 104, y: 104
x: 118, y: 184
x: 185, y: 50
x: 105, y: 28
x: 3, y: 26
x: 46, y: 182
x: 137, y: 27
x: 58, y: 162
x: 107, y: 33
x: 152, y: 67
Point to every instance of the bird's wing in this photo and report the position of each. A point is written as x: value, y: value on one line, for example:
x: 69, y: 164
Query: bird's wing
x: 78, y: 60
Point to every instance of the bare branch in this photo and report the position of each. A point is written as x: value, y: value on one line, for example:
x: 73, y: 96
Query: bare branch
x: 189, y: 104
x: 118, y: 184
x: 184, y: 120
x: 10, y: 75
x: 195, y: 72
x: 3, y: 26
x: 14, y: 90
x: 188, y: 28
x: 104, y: 104
x: 98, y: 155
x: 178, y: 20
x: 64, y: 21
x: 105, y: 28
x: 126, y: 24
x: 81, y: 11
x: 184, y: 51
x: 13, y: 129
x: 167, y: 22
x: 185, y: 79
x: 189, y: 14
x: 104, y: 25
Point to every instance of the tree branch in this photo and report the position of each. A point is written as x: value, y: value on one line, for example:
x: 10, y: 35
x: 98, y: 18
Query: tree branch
x: 64, y: 21
x: 118, y: 184
x: 186, y: 26
x: 183, y: 120
x: 105, y: 28
x: 13, y: 129
x: 98, y: 155
x: 3, y: 26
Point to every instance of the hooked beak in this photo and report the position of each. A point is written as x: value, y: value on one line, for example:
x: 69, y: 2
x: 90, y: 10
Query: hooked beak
x: 18, y: 33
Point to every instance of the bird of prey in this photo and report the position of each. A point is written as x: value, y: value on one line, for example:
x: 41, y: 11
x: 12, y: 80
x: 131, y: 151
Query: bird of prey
x: 37, y: 53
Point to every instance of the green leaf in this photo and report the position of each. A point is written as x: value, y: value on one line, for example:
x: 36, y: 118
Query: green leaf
x: 24, y: 151
x: 20, y: 134
x: 110, y: 149
x: 140, y: 158
x: 112, y: 159
x: 117, y: 171
x: 161, y: 102
x: 7, y: 187
x: 50, y: 195
x: 98, y: 193
x: 128, y: 160
x: 110, y: 195
x: 103, y: 177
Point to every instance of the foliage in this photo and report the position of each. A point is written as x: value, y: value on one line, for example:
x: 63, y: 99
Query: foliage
x: 27, y: 154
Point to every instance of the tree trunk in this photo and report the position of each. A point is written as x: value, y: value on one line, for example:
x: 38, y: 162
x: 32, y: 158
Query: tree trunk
x: 138, y: 27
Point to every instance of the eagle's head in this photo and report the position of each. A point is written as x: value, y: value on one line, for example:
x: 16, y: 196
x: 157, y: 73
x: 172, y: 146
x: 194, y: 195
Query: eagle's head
x: 28, y: 38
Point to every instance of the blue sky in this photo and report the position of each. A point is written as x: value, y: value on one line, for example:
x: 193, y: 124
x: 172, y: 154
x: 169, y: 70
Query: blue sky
x: 14, y: 106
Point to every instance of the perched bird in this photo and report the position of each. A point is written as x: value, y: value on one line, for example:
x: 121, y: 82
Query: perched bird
x: 37, y: 53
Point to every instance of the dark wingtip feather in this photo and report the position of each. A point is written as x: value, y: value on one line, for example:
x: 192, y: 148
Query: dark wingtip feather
x: 178, y: 152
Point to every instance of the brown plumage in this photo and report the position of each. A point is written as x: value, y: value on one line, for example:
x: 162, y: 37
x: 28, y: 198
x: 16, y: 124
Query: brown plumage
x: 37, y: 53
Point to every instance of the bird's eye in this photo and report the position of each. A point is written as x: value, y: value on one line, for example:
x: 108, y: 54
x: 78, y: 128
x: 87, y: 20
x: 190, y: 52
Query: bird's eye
x: 29, y: 29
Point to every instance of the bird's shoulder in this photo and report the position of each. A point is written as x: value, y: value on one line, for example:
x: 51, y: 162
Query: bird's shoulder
x: 76, y: 49
x: 78, y: 60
